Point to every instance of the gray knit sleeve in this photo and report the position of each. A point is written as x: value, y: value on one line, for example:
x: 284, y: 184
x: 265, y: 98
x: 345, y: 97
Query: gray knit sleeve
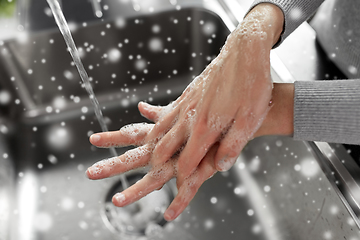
x: 295, y: 12
x: 327, y: 111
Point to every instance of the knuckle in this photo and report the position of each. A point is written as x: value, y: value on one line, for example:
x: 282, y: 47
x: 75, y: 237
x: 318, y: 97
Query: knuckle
x: 109, y: 136
x: 230, y: 150
x: 219, y: 123
x: 159, y: 148
x: 135, y: 155
x: 234, y: 141
x: 201, y: 127
x: 161, y: 173
x: 192, y: 188
x: 184, y: 169
x: 161, y: 153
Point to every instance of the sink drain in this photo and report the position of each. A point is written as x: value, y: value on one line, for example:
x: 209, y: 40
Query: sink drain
x: 142, y: 217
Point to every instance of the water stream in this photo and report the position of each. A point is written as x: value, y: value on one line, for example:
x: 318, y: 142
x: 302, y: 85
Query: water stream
x: 65, y: 31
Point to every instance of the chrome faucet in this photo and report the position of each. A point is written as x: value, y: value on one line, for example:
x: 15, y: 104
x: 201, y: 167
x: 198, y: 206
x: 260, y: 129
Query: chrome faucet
x: 97, y: 8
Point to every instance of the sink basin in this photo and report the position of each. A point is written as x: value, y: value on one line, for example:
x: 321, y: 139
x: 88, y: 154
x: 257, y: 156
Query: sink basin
x: 276, y: 190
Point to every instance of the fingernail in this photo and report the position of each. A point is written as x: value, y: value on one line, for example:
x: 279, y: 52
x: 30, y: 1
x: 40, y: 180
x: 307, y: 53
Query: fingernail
x: 88, y: 172
x: 120, y: 198
x: 94, y: 170
x: 169, y: 214
x: 143, y: 103
x: 95, y: 138
x: 224, y: 164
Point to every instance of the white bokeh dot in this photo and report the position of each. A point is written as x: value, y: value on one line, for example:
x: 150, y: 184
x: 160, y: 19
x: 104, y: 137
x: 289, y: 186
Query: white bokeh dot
x: 213, y: 200
x: 250, y: 212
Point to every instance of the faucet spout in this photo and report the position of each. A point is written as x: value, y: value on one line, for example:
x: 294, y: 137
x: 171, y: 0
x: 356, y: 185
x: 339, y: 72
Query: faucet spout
x: 97, y: 8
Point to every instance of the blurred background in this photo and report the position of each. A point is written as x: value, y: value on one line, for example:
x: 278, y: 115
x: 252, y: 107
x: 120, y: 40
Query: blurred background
x: 8, y: 21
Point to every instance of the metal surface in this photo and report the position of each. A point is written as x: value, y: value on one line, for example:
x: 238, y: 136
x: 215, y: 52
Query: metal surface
x: 277, y: 189
x: 7, y: 177
x: 344, y: 182
x: 302, y: 42
x: 308, y: 62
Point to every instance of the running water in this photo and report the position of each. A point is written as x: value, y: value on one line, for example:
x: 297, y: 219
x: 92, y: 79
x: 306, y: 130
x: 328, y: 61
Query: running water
x: 65, y: 31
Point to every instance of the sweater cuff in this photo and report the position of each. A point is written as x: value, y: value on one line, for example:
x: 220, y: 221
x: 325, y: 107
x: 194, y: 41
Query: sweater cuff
x: 327, y: 111
x: 295, y: 13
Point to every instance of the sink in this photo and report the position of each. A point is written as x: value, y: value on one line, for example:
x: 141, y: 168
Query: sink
x: 276, y: 190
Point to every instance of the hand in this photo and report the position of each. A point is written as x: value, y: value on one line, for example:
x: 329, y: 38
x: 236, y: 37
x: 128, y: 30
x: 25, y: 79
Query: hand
x: 278, y: 121
x: 225, y: 104
x: 157, y: 176
x: 207, y: 126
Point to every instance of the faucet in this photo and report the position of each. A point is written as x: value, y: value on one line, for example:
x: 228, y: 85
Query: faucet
x: 97, y: 8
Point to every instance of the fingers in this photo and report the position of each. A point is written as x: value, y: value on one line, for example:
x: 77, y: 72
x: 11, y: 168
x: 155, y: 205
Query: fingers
x: 196, y: 148
x: 230, y: 148
x: 132, y: 159
x: 167, y: 137
x: 133, y: 134
x: 234, y: 141
x: 164, y: 124
x: 191, y: 185
x: 152, y: 181
x: 150, y: 112
x: 169, y: 145
x: 155, y: 113
x: 175, y: 139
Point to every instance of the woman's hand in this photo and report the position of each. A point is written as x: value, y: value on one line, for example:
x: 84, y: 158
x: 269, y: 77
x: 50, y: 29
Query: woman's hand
x: 157, y: 176
x: 225, y: 104
x: 205, y: 129
x: 278, y: 121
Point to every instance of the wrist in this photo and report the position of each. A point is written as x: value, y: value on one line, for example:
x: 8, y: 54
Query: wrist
x: 280, y: 119
x: 267, y: 18
x: 257, y: 33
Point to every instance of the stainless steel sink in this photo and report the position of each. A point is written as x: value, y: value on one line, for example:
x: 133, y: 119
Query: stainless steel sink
x: 276, y: 190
